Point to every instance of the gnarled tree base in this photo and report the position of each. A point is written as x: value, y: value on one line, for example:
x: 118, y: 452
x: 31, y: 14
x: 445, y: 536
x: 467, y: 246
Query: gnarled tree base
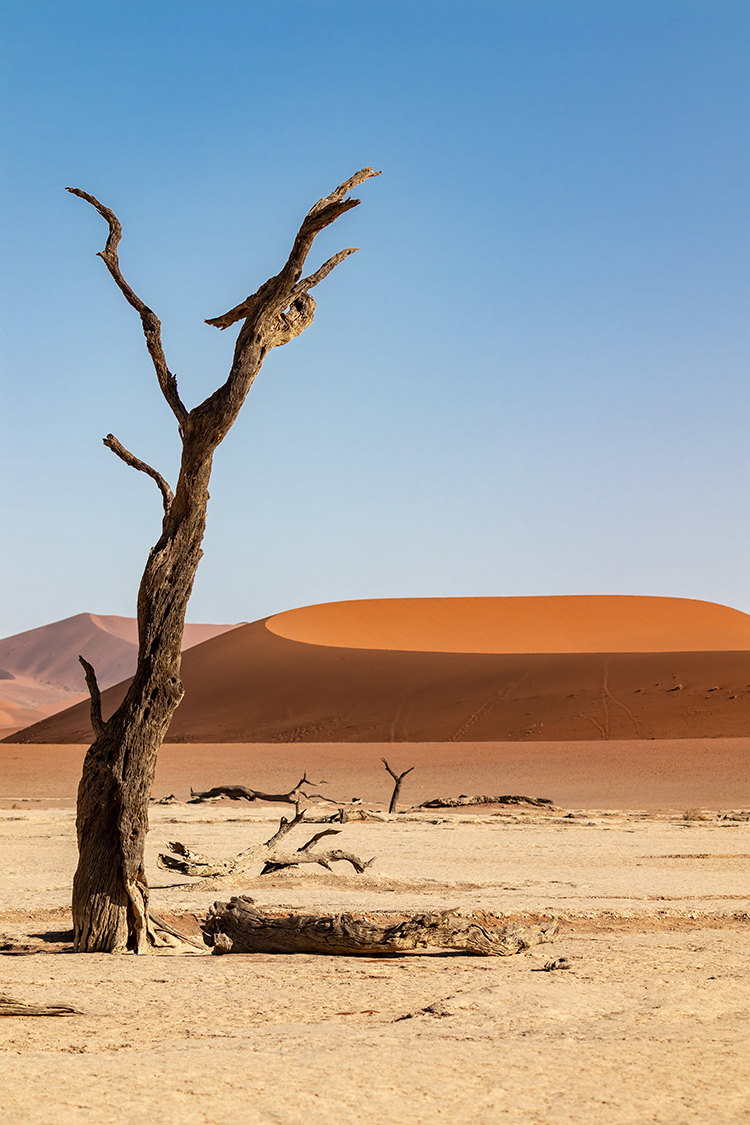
x: 239, y: 927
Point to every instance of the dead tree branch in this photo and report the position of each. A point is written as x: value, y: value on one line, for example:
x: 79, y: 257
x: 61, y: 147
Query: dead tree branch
x: 279, y: 291
x: 268, y: 857
x: 97, y: 723
x: 398, y: 778
x: 11, y: 1007
x: 460, y: 802
x: 240, y: 927
x: 149, y: 319
x: 242, y: 792
x: 135, y: 463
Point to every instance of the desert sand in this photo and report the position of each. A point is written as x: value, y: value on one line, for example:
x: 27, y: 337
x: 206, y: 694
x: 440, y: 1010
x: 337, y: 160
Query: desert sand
x: 453, y: 669
x: 649, y: 1023
x: 665, y: 775
x: 643, y: 858
x: 250, y: 685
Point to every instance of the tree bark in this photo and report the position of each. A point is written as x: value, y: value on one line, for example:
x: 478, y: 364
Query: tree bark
x: 240, y: 927
x: 110, y: 891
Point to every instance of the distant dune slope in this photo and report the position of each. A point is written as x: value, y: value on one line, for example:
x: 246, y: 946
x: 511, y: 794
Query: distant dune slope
x: 39, y: 669
x: 576, y: 623
x: 252, y: 685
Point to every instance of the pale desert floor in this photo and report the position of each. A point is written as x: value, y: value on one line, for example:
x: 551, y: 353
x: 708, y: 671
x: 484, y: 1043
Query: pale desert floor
x: 650, y: 1023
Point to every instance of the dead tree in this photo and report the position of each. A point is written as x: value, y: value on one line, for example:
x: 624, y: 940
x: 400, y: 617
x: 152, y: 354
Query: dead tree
x: 110, y: 892
x: 267, y: 857
x: 398, y: 778
x: 242, y: 793
x: 509, y: 799
x: 240, y: 927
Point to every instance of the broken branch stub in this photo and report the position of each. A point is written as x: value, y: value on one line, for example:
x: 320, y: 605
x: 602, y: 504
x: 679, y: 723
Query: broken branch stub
x: 240, y: 927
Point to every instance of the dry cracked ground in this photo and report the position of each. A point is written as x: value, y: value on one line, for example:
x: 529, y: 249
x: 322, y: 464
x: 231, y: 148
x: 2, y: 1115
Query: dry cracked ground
x: 648, y: 1024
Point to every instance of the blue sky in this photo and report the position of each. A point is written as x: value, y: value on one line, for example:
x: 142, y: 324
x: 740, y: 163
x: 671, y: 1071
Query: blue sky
x: 532, y: 379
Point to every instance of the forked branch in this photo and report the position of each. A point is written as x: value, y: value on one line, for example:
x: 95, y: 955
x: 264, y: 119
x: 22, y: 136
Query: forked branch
x: 149, y: 319
x: 268, y: 856
x: 398, y: 778
x: 278, y: 292
x: 135, y: 463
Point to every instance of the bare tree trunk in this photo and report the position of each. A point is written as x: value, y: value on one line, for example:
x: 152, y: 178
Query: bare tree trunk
x: 110, y: 892
x: 398, y: 778
x: 240, y: 927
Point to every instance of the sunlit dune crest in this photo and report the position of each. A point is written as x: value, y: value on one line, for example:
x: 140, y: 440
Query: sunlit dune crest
x: 572, y: 623
x: 530, y: 669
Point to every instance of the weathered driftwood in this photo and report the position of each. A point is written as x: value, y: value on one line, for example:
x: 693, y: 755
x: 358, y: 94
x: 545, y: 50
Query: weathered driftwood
x: 459, y: 802
x: 110, y: 891
x: 267, y: 857
x: 243, y: 793
x: 398, y: 778
x: 240, y: 927
x: 345, y: 815
x: 11, y: 1007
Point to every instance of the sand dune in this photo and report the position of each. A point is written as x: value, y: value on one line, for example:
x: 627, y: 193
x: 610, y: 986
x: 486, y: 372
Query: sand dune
x: 252, y: 685
x: 579, y: 623
x: 39, y: 669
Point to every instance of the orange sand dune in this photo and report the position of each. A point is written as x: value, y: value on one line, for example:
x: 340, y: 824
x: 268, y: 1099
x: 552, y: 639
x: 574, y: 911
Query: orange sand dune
x: 251, y: 685
x: 579, y: 623
x: 40, y: 673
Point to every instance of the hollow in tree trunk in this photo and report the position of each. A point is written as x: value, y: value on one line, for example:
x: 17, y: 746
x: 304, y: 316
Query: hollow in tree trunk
x: 110, y: 891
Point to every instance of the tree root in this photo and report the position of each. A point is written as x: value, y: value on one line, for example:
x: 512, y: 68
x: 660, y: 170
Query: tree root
x: 240, y: 927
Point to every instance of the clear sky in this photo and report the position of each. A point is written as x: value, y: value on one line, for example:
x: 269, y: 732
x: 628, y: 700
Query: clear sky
x: 533, y: 377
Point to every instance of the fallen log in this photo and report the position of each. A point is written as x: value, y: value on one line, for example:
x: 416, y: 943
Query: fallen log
x: 240, y: 927
x: 459, y: 802
x: 268, y: 857
x: 11, y: 1007
x: 243, y: 793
